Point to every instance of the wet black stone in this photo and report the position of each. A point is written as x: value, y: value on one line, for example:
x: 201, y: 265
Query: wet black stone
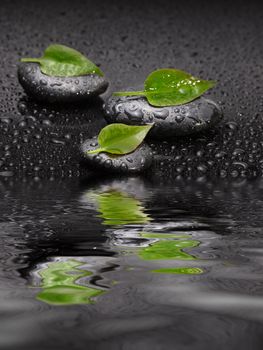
x: 193, y: 117
x: 135, y: 162
x: 59, y: 89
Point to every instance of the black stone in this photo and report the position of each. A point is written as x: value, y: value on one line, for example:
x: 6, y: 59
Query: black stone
x: 193, y: 117
x: 59, y: 89
x: 135, y: 162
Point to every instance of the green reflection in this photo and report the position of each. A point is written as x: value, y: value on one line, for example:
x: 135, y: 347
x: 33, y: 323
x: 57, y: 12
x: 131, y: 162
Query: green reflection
x: 117, y: 208
x: 167, y: 250
x: 180, y: 270
x: 162, y: 235
x: 120, y: 208
x: 59, y: 284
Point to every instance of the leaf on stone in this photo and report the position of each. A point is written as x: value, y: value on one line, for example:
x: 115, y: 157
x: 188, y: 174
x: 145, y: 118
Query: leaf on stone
x: 63, y: 61
x: 171, y: 87
x: 121, y: 138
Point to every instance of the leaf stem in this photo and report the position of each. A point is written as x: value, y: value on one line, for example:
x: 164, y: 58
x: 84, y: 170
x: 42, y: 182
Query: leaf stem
x: 37, y: 60
x: 129, y: 93
x: 94, y: 151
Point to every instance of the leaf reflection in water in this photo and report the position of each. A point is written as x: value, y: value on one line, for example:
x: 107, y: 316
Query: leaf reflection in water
x: 119, y: 208
x: 60, y: 284
x: 168, y: 249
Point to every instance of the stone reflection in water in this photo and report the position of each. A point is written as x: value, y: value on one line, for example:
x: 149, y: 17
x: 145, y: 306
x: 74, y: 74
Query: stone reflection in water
x: 120, y: 208
x: 60, y: 283
x: 131, y: 232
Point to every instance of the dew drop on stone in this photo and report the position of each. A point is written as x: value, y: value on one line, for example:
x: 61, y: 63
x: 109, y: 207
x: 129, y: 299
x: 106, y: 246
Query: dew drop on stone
x: 108, y: 163
x: 124, y: 166
x: 179, y: 118
x: 43, y: 82
x: 97, y: 158
x: 142, y: 161
x: 162, y: 114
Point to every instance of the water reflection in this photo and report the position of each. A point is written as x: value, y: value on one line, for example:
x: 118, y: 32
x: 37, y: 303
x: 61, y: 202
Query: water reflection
x: 180, y: 270
x: 131, y: 232
x: 143, y: 288
x: 167, y: 250
x: 60, y: 283
x: 118, y: 208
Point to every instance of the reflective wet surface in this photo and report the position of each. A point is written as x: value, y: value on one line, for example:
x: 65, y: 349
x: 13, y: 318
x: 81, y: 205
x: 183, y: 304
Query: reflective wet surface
x: 220, y: 41
x: 131, y: 263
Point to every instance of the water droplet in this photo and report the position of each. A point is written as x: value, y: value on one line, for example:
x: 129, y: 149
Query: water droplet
x: 179, y: 118
x: 161, y: 114
x: 124, y: 166
x: 134, y: 114
x: 108, y: 163
x: 43, y: 82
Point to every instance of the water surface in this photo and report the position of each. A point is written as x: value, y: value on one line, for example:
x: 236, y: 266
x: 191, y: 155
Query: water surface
x: 131, y: 263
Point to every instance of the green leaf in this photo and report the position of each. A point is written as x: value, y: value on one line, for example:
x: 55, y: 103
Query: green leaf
x: 121, y: 138
x: 171, y: 87
x: 63, y: 61
x: 119, y: 208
